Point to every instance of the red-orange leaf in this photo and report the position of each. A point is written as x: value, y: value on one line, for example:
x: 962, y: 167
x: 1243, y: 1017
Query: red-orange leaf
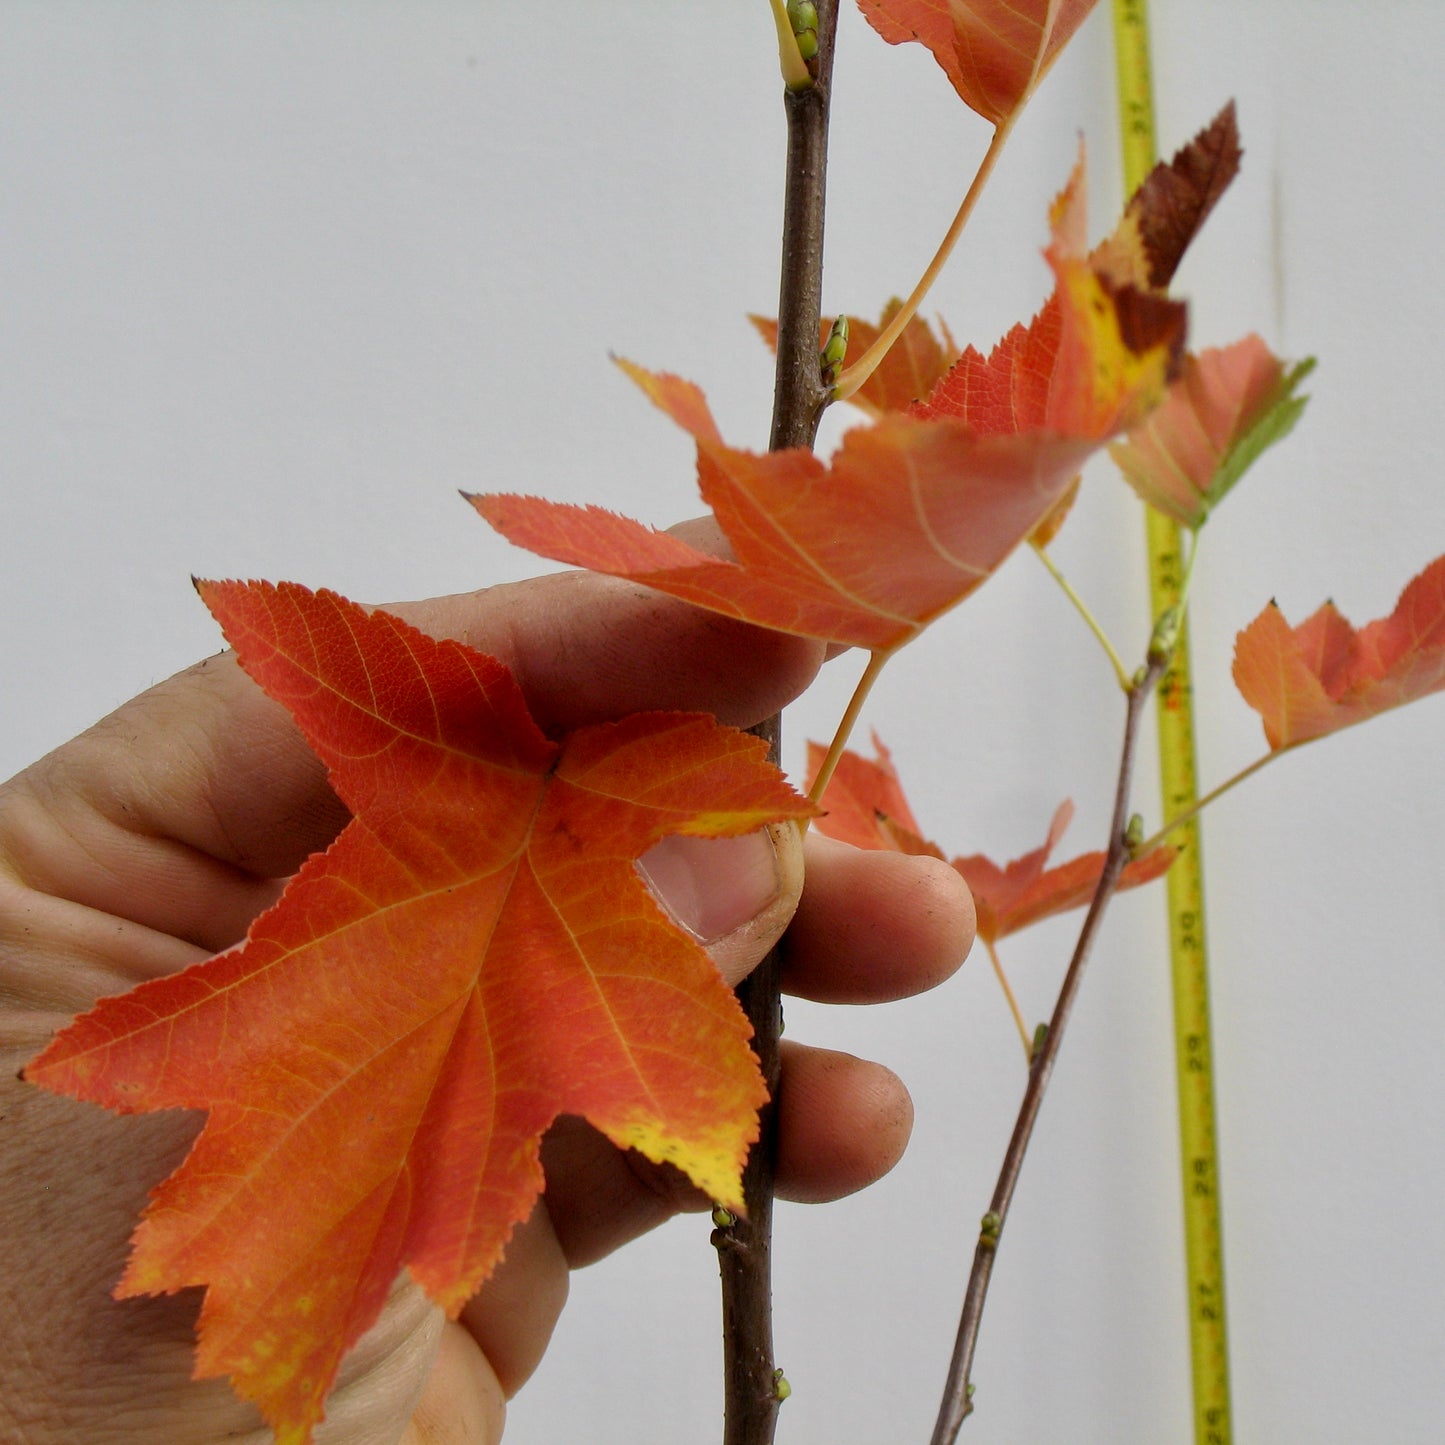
x: 864, y: 805
x: 1225, y: 408
x: 1325, y: 675
x: 910, y: 517
x: 995, y: 52
x: 474, y: 955
x: 914, y: 512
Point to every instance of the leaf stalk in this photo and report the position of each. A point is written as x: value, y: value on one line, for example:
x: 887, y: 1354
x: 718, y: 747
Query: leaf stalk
x: 1121, y: 673
x: 1200, y: 804
x: 857, y: 374
x: 846, y: 723
x: 1012, y: 998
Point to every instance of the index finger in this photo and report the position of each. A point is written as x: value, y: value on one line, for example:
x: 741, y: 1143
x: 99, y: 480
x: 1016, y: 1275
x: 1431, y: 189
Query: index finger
x: 586, y: 648
x: 206, y: 770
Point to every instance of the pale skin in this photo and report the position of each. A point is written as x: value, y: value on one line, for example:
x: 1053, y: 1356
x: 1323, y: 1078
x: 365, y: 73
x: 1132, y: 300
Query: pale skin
x: 153, y: 839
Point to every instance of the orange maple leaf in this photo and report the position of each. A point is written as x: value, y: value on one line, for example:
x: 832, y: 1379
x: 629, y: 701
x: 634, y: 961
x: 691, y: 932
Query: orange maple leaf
x: 995, y: 52
x: 1324, y: 675
x: 1025, y: 383
x: 915, y: 511
x: 864, y: 805
x: 472, y: 956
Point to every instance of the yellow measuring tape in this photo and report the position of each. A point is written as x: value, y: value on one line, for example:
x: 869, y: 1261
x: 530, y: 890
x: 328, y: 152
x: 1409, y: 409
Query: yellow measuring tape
x: 1203, y: 1234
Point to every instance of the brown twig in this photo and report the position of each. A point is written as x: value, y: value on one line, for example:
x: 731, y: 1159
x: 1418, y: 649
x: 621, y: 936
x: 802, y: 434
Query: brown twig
x: 958, y: 1389
x: 751, y: 1380
x: 799, y: 396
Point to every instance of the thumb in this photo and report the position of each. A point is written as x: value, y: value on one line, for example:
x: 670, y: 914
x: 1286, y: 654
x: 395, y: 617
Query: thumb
x: 734, y: 895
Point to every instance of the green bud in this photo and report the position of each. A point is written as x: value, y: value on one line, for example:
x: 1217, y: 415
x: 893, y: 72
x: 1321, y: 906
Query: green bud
x: 1041, y: 1034
x: 988, y: 1229
x: 797, y: 27
x: 803, y: 17
x: 723, y: 1218
x: 781, y: 1388
x: 835, y: 351
x: 1134, y: 833
x: 1166, y: 635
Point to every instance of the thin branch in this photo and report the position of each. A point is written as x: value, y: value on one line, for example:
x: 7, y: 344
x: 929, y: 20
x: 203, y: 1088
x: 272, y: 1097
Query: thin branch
x: 752, y: 1384
x: 799, y: 396
x: 957, y: 1396
x: 855, y: 376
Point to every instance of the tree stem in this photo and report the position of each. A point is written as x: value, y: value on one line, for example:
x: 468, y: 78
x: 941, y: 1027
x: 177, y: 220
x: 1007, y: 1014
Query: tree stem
x: 957, y: 1402
x: 799, y: 396
x: 750, y: 1377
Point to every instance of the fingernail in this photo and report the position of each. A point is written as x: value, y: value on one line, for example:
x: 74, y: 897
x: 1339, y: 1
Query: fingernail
x: 712, y: 886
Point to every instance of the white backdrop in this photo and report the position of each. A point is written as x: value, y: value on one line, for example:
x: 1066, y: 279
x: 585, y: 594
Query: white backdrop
x: 276, y: 281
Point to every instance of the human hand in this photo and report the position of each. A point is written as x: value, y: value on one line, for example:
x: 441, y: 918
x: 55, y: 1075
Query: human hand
x: 154, y: 839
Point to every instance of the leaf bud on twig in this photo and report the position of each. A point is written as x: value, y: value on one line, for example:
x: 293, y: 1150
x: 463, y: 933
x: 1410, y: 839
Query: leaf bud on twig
x: 835, y: 352
x: 803, y: 17
x: 1166, y: 636
x: 1041, y: 1034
